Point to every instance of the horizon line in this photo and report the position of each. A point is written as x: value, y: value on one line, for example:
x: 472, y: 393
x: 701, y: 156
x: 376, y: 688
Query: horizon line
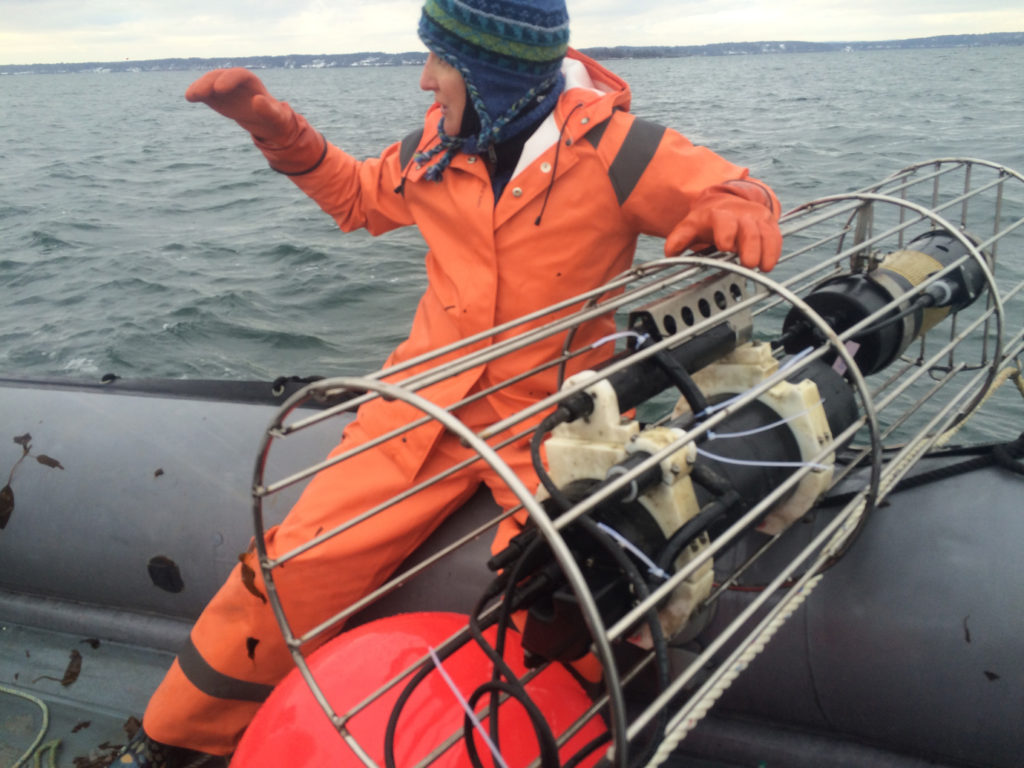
x: 582, y: 49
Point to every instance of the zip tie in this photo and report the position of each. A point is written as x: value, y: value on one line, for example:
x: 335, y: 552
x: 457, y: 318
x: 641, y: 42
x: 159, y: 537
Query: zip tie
x: 726, y: 403
x: 627, y: 545
x: 840, y: 366
x: 713, y: 408
x: 641, y: 337
x: 634, y: 487
x: 712, y: 435
x: 748, y: 463
x: 469, y: 710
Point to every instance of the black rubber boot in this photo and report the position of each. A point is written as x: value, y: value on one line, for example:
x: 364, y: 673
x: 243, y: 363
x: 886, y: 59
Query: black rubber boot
x: 144, y: 752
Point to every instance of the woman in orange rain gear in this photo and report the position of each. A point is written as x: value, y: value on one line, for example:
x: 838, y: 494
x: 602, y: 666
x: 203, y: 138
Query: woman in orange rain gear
x: 530, y: 182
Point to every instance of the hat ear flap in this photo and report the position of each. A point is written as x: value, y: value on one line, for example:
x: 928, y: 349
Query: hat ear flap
x: 509, y: 54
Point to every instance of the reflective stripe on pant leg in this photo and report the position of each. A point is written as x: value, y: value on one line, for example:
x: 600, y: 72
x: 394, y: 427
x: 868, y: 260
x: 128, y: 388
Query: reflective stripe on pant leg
x: 214, y: 688
x: 213, y: 683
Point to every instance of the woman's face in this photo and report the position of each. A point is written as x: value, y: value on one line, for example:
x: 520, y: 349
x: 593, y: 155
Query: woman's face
x: 449, y: 91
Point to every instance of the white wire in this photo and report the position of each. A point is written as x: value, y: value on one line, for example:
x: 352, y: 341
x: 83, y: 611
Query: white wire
x: 712, y: 435
x: 725, y: 403
x: 641, y: 337
x: 796, y: 358
x: 627, y: 545
x: 469, y: 710
x: 749, y: 463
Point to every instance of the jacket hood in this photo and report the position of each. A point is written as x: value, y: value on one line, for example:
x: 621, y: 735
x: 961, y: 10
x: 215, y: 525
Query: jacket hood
x: 582, y: 72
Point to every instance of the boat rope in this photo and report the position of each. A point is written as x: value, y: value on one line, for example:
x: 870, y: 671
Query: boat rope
x: 1000, y: 379
x: 755, y: 641
x: 43, y: 728
x: 702, y: 704
x: 1009, y: 455
x: 50, y: 746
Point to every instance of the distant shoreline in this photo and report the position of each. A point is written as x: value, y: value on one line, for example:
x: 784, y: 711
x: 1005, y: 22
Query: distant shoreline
x: 378, y: 59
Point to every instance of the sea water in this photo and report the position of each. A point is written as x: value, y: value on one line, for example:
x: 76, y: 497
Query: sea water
x: 145, y: 236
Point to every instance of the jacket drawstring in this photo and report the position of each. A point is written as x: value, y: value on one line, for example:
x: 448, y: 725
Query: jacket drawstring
x: 554, y: 169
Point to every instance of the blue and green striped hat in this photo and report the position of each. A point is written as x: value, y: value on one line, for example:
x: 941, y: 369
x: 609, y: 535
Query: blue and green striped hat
x: 508, y: 51
x: 522, y: 37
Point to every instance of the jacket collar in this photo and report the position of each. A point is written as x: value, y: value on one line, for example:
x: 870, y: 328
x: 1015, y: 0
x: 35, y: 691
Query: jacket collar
x: 590, y: 96
x: 591, y: 93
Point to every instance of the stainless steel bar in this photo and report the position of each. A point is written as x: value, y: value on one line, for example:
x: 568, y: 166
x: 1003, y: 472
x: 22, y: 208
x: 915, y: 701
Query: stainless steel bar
x: 308, y: 472
x: 337, y: 530
x: 913, y: 408
x: 967, y: 188
x: 397, y: 581
x: 494, y: 351
x: 725, y: 584
x: 442, y: 648
x: 742, y: 618
x: 623, y: 625
x: 623, y: 480
x: 357, y: 748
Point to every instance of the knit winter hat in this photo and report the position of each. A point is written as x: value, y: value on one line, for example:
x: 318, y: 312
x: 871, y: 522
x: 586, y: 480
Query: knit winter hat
x: 509, y: 52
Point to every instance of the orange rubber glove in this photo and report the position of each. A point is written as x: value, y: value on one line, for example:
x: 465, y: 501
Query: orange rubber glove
x: 288, y: 141
x: 739, y: 217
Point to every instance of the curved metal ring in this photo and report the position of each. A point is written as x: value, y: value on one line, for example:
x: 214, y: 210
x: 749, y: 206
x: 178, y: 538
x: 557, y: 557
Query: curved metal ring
x: 508, y: 476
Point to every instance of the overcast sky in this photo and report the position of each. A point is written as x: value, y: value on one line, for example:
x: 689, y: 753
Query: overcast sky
x: 49, y: 31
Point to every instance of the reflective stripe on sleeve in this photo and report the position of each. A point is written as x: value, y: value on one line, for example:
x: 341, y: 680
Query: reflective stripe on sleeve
x: 595, y: 134
x: 408, y: 147
x: 634, y: 156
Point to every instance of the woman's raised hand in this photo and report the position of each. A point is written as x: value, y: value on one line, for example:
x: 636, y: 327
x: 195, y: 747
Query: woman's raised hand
x: 237, y: 93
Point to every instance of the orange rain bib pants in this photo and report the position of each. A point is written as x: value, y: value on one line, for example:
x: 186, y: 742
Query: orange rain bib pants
x: 236, y: 652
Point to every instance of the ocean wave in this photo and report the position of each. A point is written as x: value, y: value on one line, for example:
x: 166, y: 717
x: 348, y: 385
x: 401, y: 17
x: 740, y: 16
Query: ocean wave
x: 47, y: 242
x: 171, y: 249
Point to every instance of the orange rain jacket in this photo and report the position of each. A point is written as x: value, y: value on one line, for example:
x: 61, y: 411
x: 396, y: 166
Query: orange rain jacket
x: 590, y: 180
